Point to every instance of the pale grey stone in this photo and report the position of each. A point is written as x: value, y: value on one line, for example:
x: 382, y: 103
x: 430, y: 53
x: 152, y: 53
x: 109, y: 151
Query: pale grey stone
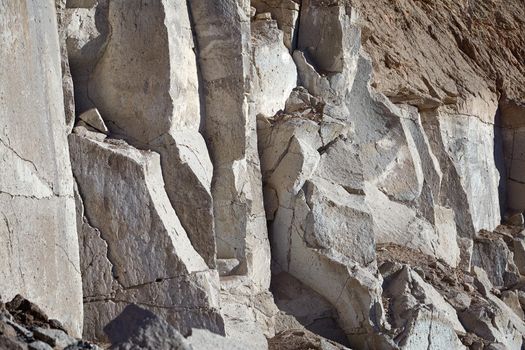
x: 166, y: 275
x: 222, y: 31
x: 39, y: 249
x: 54, y: 337
x: 92, y: 118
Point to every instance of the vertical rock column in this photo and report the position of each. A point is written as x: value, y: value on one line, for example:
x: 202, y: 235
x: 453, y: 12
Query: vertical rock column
x: 38, y: 237
x: 146, y: 88
x: 223, y: 35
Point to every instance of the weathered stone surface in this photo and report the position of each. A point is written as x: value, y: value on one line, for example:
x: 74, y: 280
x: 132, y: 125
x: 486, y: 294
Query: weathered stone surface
x: 307, y: 308
x: 39, y: 249
x: 223, y: 40
x: 275, y: 73
x: 87, y: 30
x: 201, y: 339
x: 67, y: 80
x: 166, y: 274
x: 519, y: 252
x: 492, y: 254
x: 160, y: 108
x: 493, y: 320
x: 137, y: 328
x: 286, y: 13
x: 295, y: 339
x: 93, y: 119
x: 157, y: 98
x: 188, y: 173
x: 248, y: 314
x: 423, y: 317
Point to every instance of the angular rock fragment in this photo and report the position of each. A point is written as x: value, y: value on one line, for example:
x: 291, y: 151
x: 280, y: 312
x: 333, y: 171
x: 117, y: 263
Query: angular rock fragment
x: 93, y: 119
x: 419, y: 315
x: 492, y: 254
x: 286, y: 13
x: 159, y: 109
x: 275, y: 73
x: 125, y: 201
x: 222, y: 31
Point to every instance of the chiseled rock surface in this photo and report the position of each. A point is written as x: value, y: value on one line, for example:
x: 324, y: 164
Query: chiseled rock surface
x: 116, y: 182
x: 39, y: 250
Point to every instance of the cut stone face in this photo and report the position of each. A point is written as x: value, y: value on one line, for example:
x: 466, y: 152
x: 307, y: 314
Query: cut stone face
x: 39, y: 248
x: 125, y: 201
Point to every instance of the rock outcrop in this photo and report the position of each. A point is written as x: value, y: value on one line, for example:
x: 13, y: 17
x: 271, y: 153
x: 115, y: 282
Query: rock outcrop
x: 262, y: 174
x: 39, y: 254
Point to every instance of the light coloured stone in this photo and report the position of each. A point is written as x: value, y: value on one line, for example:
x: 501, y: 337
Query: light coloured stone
x: 275, y: 73
x: 222, y: 33
x: 408, y: 293
x: 160, y: 108
x: 188, y: 172
x: 166, y: 274
x: 302, y: 307
x: 493, y: 320
x: 87, y: 30
x: 201, y: 339
x: 158, y: 97
x: 248, y: 314
x: 511, y: 298
x: 286, y: 13
x: 92, y: 118
x: 39, y: 249
x: 493, y: 255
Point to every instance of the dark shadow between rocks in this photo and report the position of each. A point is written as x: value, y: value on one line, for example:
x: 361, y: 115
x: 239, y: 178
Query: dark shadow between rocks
x: 127, y: 323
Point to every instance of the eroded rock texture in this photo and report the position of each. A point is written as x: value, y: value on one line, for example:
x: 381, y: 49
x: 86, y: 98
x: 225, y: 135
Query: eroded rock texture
x: 39, y: 251
x: 281, y: 174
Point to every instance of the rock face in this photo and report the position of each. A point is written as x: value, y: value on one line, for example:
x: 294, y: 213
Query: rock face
x: 166, y: 273
x: 223, y: 39
x: 283, y: 174
x: 39, y: 250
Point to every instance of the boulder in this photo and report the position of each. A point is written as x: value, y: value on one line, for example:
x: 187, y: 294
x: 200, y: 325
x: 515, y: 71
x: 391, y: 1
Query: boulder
x: 116, y: 182
x: 286, y: 13
x: 39, y: 251
x: 493, y: 255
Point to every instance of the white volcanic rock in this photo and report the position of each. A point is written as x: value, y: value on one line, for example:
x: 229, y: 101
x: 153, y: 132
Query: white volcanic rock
x: 93, y: 119
x: 286, y: 13
x: 117, y: 183
x: 492, y: 254
x: 223, y: 37
x: 87, y: 30
x: 275, y: 73
x: 160, y: 108
x: 188, y: 173
x: 493, y: 320
x: 39, y: 248
x: 158, y: 97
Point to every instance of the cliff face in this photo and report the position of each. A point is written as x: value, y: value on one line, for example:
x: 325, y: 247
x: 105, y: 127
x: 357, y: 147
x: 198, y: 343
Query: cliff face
x: 284, y: 174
